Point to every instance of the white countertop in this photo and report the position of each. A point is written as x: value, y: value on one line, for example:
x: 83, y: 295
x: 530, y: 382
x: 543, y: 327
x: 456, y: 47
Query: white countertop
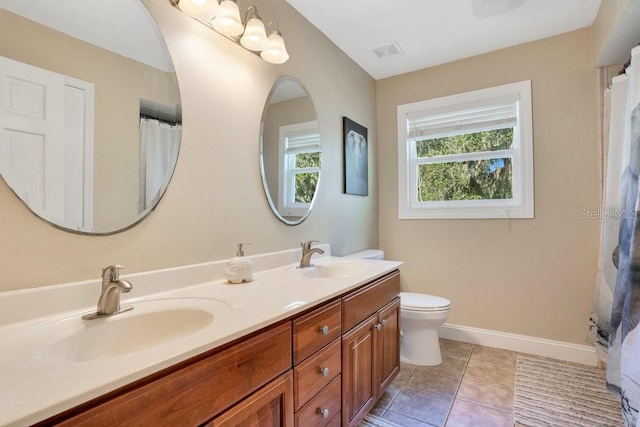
x: 36, y: 383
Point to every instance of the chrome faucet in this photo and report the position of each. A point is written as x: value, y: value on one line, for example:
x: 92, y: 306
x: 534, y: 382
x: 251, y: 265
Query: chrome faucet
x: 112, y: 287
x: 305, y: 261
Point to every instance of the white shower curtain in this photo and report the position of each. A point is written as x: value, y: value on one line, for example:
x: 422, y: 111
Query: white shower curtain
x: 622, y: 207
x: 615, y: 159
x: 159, y: 145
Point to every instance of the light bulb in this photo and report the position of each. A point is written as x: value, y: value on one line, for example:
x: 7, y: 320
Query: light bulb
x: 254, y: 37
x: 227, y: 21
x: 201, y: 9
x: 275, y: 52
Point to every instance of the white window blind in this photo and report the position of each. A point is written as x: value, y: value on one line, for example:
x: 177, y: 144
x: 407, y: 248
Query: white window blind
x: 433, y: 123
x: 302, y: 141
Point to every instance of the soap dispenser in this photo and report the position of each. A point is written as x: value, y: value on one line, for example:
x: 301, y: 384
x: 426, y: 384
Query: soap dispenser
x: 239, y: 269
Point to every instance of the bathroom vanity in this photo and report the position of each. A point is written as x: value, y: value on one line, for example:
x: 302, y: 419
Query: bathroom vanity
x: 307, y: 349
x: 326, y: 366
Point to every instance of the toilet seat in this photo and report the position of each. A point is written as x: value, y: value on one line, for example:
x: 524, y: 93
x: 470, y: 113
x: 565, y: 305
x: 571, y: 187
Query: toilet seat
x: 422, y: 302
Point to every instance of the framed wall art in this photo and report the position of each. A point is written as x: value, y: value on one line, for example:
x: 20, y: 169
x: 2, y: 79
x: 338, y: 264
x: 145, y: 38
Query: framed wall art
x: 356, y: 158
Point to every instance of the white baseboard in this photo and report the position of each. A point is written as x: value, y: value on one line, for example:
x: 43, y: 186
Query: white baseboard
x: 521, y: 343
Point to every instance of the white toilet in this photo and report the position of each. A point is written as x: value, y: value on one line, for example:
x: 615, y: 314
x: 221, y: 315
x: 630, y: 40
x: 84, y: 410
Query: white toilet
x: 421, y: 315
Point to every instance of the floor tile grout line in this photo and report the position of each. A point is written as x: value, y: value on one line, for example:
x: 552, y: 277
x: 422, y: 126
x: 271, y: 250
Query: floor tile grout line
x: 416, y: 419
x: 483, y: 405
x: 455, y: 396
x: 462, y: 374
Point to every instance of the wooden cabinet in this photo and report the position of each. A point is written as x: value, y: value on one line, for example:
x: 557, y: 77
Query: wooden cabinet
x: 326, y: 367
x: 388, y: 345
x: 358, y: 371
x: 322, y: 408
x: 318, y: 363
x: 193, y: 394
x: 270, y: 406
x: 316, y: 372
x: 370, y: 350
x: 314, y: 330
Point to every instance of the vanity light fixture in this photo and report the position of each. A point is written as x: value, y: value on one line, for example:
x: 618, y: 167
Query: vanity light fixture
x: 255, y: 36
x: 199, y: 9
x: 275, y: 52
x: 225, y: 18
x: 227, y: 21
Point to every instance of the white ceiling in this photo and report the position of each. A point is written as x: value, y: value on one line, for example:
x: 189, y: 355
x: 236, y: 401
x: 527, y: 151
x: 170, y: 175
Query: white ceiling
x: 121, y: 26
x: 433, y: 32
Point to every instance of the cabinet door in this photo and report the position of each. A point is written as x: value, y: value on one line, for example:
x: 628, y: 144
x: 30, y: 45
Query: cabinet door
x: 358, y: 371
x: 271, y: 406
x: 388, y: 344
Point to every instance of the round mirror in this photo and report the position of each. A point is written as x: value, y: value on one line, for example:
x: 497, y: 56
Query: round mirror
x: 90, y: 116
x: 290, y: 151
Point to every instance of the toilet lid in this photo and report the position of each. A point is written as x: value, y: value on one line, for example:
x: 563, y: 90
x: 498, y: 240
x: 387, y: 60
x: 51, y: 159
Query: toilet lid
x: 423, y: 302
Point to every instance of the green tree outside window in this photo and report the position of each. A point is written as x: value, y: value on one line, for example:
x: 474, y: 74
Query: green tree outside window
x: 485, y: 179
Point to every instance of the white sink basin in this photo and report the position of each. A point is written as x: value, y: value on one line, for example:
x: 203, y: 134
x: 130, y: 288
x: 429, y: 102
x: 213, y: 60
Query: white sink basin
x: 336, y: 269
x: 149, y: 325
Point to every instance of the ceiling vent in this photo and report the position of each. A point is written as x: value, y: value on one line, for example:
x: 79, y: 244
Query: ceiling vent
x: 388, y: 49
x: 487, y: 8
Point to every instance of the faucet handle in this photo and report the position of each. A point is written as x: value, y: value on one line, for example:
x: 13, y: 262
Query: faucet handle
x: 307, y: 245
x: 112, y: 273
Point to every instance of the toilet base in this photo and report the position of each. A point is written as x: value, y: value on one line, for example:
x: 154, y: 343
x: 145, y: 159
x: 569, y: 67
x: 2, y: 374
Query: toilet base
x: 420, y: 347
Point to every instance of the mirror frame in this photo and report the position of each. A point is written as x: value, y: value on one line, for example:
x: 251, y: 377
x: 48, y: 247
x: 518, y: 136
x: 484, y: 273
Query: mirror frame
x: 265, y: 185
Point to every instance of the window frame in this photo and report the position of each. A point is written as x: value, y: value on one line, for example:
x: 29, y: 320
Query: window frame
x: 287, y: 170
x: 521, y: 205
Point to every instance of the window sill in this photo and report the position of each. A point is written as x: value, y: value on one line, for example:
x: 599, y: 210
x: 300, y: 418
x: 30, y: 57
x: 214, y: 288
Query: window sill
x: 466, y: 212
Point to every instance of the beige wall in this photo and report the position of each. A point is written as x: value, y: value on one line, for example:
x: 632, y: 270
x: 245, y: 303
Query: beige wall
x: 216, y: 198
x: 119, y: 84
x: 531, y: 277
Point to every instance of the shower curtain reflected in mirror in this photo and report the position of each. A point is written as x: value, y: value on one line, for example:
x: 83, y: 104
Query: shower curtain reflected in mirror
x: 159, y: 145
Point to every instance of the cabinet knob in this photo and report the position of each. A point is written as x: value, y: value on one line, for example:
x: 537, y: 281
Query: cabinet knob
x: 384, y: 322
x: 324, y: 330
x: 378, y: 326
x: 323, y: 412
x: 324, y: 371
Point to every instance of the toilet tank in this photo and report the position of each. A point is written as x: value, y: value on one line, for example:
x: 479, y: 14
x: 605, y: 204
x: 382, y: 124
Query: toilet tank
x: 367, y: 254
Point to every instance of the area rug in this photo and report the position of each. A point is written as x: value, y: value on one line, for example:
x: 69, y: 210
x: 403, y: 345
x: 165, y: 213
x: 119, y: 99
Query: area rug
x: 373, y: 421
x: 555, y: 393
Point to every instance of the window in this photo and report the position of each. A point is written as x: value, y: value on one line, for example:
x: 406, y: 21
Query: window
x: 467, y: 156
x: 301, y: 160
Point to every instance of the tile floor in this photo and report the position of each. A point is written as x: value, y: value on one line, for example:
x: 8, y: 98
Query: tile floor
x: 474, y: 386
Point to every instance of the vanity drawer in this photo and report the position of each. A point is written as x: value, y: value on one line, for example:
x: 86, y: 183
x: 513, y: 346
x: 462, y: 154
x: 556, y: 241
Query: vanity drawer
x: 329, y: 399
x: 361, y: 304
x: 313, y: 331
x: 196, y: 393
x: 335, y: 421
x: 316, y: 372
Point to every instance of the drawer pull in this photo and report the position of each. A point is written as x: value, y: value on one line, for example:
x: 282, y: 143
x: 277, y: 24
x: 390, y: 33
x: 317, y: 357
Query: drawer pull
x: 324, y: 330
x: 323, y: 412
x: 324, y: 371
